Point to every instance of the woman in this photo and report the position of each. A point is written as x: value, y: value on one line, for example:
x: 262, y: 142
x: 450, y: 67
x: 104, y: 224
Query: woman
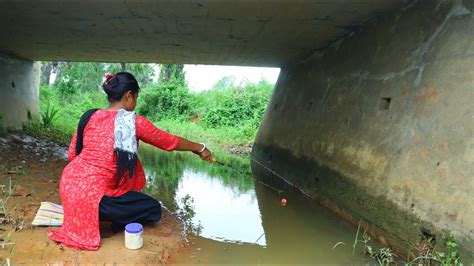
x: 104, y: 175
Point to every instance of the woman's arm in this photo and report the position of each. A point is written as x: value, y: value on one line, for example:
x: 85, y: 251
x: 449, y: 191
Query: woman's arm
x: 71, y: 153
x: 196, y: 148
x: 150, y: 134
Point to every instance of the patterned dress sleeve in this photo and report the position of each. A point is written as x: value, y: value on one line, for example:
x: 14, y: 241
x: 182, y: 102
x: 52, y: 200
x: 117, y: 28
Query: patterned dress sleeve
x: 150, y: 134
x: 71, y: 154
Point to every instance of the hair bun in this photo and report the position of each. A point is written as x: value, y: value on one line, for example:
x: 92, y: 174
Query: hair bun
x: 116, y: 85
x: 110, y: 81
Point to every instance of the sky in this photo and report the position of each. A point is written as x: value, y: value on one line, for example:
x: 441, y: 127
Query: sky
x: 203, y: 77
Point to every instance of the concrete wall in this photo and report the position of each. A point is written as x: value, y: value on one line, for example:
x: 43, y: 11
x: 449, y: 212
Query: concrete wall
x: 19, y: 90
x: 380, y: 126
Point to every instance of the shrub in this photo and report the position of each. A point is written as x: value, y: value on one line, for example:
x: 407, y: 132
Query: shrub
x: 165, y: 100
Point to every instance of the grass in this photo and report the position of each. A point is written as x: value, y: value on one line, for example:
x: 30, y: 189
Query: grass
x: 385, y: 256
x: 56, y: 133
x: 7, y: 192
x: 217, y: 137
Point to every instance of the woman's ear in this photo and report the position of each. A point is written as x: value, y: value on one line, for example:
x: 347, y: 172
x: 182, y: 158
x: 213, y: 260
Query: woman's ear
x: 129, y: 96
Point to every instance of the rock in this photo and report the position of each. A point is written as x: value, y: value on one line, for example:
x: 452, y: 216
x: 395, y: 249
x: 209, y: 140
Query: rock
x: 3, y: 141
x: 21, y: 191
x: 23, y: 140
x: 16, y: 139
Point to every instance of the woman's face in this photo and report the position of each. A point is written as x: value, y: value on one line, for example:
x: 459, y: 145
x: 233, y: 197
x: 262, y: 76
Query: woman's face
x: 130, y: 101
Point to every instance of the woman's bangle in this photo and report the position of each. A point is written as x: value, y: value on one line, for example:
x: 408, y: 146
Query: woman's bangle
x: 202, y: 149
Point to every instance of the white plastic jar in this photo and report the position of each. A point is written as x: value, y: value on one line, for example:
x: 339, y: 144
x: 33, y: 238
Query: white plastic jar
x: 133, y: 236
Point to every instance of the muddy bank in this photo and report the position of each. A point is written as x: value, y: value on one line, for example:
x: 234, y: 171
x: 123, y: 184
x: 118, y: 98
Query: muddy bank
x: 29, y: 174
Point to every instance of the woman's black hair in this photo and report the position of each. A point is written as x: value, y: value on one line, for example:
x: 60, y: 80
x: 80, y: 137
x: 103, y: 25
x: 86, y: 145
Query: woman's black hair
x: 118, y: 84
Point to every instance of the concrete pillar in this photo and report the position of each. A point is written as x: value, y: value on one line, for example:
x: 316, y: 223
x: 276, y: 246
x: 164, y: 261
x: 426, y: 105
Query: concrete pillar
x: 380, y: 126
x: 19, y: 90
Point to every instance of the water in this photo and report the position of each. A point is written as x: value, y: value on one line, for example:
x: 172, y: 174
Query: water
x: 241, y: 220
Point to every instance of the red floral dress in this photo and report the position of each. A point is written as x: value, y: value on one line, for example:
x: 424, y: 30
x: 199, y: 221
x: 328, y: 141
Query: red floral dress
x: 92, y: 174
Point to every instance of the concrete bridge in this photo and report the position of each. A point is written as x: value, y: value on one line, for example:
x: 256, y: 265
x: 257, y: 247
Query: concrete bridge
x: 372, y: 113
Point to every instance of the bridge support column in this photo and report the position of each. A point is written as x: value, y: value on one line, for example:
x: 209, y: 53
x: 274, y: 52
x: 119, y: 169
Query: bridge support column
x: 380, y: 126
x: 19, y: 91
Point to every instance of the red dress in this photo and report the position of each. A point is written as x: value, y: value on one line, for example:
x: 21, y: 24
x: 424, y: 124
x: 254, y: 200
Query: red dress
x: 92, y: 174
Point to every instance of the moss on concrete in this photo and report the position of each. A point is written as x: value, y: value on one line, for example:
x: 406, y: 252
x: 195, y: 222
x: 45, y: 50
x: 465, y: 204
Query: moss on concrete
x: 385, y: 221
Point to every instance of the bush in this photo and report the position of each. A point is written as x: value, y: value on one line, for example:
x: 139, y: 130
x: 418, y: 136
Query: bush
x: 69, y: 107
x: 165, y: 100
x: 241, y: 107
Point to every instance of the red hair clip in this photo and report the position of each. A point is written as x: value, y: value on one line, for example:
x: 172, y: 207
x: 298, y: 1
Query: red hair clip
x: 108, y: 77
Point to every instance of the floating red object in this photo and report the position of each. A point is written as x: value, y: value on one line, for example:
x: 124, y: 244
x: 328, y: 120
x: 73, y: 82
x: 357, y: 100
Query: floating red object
x: 283, y: 202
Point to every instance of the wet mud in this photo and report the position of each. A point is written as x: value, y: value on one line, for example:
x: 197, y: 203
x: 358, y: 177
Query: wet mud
x: 30, y: 170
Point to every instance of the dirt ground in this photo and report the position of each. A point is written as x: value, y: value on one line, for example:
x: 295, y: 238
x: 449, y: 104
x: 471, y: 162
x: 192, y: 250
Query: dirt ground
x: 34, y: 168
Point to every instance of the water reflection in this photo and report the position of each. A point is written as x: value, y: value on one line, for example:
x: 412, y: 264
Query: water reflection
x: 234, y: 211
x: 224, y: 213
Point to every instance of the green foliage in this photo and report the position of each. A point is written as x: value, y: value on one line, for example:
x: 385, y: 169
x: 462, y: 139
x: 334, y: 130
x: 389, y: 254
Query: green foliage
x: 228, y: 114
x: 66, y: 113
x: 383, y: 256
x: 55, y: 133
x: 239, y: 107
x: 79, y: 77
x: 143, y: 72
x: 451, y: 257
x: 172, y: 73
x: 169, y: 98
x: 224, y: 83
x: 165, y: 100
x: 76, y: 77
x: 49, y: 116
x: 71, y: 107
x: 216, y: 137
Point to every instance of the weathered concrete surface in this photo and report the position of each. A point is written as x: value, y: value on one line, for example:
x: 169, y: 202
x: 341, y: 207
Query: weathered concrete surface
x: 19, y: 88
x: 270, y: 32
x: 380, y: 126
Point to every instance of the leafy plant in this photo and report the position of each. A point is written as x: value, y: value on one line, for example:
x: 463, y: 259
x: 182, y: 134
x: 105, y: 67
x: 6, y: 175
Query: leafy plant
x: 451, y: 257
x: 430, y: 255
x: 49, y: 116
x: 384, y: 256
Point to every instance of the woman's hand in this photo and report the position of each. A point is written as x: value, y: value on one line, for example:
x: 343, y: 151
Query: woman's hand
x: 196, y: 148
x: 206, y: 155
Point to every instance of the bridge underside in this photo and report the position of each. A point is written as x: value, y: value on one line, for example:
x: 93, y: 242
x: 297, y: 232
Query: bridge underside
x: 371, y: 115
x: 256, y: 33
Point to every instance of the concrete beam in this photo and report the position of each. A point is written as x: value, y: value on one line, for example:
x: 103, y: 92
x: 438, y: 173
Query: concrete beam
x: 19, y: 90
x: 257, y: 33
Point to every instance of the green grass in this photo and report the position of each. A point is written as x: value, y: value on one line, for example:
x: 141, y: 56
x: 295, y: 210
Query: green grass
x: 218, y: 137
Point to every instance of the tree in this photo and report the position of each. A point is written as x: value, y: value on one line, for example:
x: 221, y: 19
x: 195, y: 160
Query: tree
x: 224, y: 83
x: 143, y: 72
x: 79, y: 77
x: 46, y: 68
x: 172, y: 72
x: 169, y: 98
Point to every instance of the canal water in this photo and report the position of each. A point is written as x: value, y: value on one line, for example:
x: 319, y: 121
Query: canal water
x: 236, y: 219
